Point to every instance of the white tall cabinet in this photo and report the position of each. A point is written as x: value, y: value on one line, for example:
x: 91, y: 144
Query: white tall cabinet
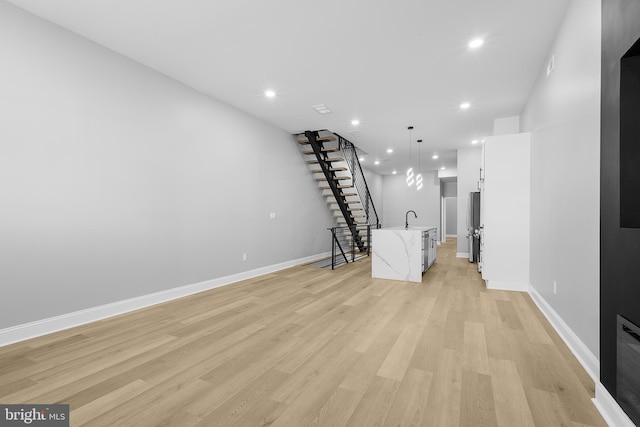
x: 505, y: 193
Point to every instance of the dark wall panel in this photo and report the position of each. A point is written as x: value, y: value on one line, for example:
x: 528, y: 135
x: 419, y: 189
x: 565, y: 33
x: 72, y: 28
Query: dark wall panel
x: 629, y: 139
x: 619, y: 247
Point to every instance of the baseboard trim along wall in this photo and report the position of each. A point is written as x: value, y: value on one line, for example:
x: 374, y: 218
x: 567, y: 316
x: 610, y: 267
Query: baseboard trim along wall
x: 38, y: 328
x: 462, y: 254
x: 609, y: 408
x: 604, y: 402
x: 586, y: 358
x: 507, y: 286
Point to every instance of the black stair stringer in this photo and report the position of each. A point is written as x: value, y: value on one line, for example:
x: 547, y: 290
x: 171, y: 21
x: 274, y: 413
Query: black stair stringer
x: 341, y: 199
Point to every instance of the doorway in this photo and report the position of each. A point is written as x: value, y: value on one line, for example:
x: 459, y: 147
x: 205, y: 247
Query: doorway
x: 449, y: 207
x: 451, y: 216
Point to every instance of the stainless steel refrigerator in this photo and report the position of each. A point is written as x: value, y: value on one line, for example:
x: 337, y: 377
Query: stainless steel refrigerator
x: 473, y: 225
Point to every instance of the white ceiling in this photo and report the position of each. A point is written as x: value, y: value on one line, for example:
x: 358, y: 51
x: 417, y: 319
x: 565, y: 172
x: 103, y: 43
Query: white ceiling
x: 388, y: 63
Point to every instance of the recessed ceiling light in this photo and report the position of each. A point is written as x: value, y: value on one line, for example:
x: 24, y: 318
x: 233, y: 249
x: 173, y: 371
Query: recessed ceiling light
x: 355, y: 122
x: 475, y: 141
x: 476, y: 43
x: 389, y: 150
x: 442, y: 168
x: 394, y: 172
x: 321, y: 108
x: 269, y: 93
x: 377, y: 162
x: 465, y: 105
x: 361, y: 159
x: 435, y: 156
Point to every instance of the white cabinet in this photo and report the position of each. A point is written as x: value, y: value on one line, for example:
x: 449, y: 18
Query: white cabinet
x: 505, y: 211
x: 429, y: 238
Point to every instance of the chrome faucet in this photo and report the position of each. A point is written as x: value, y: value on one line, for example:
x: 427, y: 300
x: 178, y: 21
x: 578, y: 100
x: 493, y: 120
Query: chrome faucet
x: 406, y: 218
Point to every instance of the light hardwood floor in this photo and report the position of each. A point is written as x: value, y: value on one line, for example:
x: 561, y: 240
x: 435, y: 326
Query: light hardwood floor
x: 305, y: 346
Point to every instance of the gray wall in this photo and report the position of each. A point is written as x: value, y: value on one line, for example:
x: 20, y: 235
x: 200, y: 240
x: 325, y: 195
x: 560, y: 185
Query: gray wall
x: 451, y: 204
x: 399, y: 198
x: 117, y: 181
x: 563, y: 114
x: 374, y: 182
x: 469, y: 160
x: 450, y: 189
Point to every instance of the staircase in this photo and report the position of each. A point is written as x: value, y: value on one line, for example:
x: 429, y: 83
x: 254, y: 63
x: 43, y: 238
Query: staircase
x: 334, y: 163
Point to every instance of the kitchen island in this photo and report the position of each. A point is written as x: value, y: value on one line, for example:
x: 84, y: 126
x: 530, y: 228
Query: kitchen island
x: 400, y: 253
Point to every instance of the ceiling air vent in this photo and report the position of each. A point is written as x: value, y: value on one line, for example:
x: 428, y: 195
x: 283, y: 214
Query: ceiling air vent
x: 321, y: 108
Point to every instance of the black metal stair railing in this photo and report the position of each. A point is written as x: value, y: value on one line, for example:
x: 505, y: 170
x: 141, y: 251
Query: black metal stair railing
x: 343, y: 244
x: 359, y: 181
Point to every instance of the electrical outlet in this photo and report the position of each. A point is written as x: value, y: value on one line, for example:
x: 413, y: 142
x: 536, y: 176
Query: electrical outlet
x: 555, y: 287
x: 272, y: 215
x: 244, y: 256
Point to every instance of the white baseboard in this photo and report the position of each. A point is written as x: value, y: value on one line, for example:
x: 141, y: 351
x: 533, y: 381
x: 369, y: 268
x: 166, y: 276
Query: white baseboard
x: 452, y: 235
x: 507, y: 286
x: 58, y: 323
x: 604, y: 402
x: 609, y: 408
x: 586, y: 358
x: 462, y: 255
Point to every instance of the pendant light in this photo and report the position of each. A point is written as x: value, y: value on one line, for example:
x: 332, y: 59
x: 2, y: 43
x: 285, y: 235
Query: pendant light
x: 410, y: 178
x: 419, y: 176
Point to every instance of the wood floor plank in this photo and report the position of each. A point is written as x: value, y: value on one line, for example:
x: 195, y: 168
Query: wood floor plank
x: 230, y: 379
x: 477, y: 408
x: 427, y: 352
x: 16, y: 386
x: 546, y: 408
x: 306, y: 400
x: 443, y: 405
x: 512, y: 408
x: 375, y: 404
x: 322, y: 361
x: 70, y: 379
x: 359, y: 378
x: 410, y: 403
x: 305, y: 346
x: 474, y: 354
x: 370, y: 332
x: 508, y: 314
x: 534, y: 329
x: 337, y: 410
x: 153, y: 405
x: 248, y: 399
x: 397, y: 361
x: 311, y: 346
x: 107, y: 402
x: 454, y: 330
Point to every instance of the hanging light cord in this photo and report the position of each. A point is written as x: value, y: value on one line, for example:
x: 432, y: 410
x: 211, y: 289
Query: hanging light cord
x: 410, y: 174
x: 410, y: 129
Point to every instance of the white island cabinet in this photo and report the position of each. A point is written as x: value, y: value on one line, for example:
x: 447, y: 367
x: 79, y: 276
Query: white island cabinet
x: 402, y: 253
